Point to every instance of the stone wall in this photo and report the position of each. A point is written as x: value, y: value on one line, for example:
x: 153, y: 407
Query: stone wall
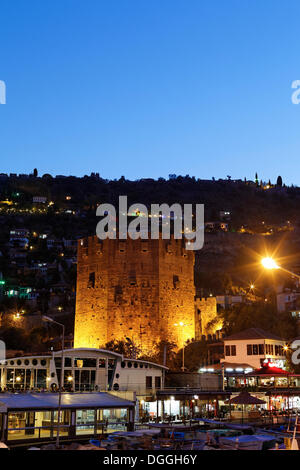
x: 205, y: 313
x: 134, y: 288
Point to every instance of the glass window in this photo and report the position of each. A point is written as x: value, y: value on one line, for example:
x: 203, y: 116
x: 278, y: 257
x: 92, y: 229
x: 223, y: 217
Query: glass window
x: 68, y: 362
x: 57, y: 361
x: 16, y: 421
x: 85, y: 362
x: 261, y: 349
x: 227, y: 350
x: 148, y: 382
x: 249, y: 349
x: 10, y: 378
x: 233, y: 350
x: 19, y: 383
x: 85, y: 421
x: 68, y: 380
x: 255, y: 349
x: 41, y: 378
x: 157, y: 382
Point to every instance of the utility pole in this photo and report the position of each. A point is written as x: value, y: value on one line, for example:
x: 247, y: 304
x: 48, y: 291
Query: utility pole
x: 50, y: 320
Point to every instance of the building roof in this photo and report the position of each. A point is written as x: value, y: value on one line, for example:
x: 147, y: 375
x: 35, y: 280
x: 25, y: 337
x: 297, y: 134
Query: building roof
x: 253, y: 333
x: 231, y: 365
x: 49, y: 401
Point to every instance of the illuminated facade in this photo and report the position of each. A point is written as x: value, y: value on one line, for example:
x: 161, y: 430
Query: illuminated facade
x: 138, y: 289
x: 83, y: 370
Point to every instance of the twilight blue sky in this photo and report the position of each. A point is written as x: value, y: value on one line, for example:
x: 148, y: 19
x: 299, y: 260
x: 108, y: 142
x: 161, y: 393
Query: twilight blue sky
x: 144, y: 88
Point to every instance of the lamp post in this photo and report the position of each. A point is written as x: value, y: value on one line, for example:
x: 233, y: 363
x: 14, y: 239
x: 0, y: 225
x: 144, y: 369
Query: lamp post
x: 50, y: 320
x: 182, y: 325
x: 270, y: 263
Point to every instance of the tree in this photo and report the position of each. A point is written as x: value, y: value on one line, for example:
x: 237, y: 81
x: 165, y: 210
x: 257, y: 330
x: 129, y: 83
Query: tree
x: 35, y: 173
x: 37, y: 339
x: 14, y: 338
x: 279, y: 181
x: 195, y: 356
x: 128, y: 348
x: 258, y: 315
x: 162, y: 350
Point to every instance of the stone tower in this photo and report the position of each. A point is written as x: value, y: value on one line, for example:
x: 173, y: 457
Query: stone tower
x: 134, y: 288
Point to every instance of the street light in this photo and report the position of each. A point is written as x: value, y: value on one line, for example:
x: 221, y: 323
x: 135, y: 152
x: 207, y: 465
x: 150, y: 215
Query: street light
x: 50, y: 320
x: 182, y: 325
x: 270, y: 263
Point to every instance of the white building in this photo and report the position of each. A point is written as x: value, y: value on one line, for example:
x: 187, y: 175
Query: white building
x: 254, y: 347
x: 84, y: 369
x: 288, y: 301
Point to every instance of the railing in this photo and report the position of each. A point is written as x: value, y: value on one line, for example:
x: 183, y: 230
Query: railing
x: 190, y: 390
x: 263, y: 388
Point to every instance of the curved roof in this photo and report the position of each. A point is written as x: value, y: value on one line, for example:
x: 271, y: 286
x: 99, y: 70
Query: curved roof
x: 102, y: 351
x: 74, y: 351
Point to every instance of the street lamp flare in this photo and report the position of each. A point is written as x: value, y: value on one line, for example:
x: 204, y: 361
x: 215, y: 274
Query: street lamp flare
x: 269, y: 263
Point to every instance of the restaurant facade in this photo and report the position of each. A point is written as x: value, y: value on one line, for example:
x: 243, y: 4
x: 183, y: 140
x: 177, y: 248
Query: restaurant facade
x: 33, y: 417
x: 83, y: 370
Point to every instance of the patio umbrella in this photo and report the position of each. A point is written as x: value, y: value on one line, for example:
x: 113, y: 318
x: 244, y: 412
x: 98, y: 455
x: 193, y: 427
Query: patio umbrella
x: 269, y: 371
x: 244, y: 398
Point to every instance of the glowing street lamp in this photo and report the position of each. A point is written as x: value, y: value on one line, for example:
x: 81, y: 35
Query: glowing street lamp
x: 269, y: 263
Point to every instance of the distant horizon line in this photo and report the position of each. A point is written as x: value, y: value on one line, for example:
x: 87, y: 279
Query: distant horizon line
x: 171, y: 176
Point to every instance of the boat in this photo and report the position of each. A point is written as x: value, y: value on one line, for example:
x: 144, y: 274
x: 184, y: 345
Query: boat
x: 248, y: 442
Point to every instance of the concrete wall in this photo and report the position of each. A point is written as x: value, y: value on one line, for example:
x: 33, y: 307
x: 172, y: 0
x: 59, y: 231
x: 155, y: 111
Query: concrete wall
x: 194, y: 380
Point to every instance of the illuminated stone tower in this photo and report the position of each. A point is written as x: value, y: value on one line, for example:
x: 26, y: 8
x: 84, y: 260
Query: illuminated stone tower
x: 135, y: 289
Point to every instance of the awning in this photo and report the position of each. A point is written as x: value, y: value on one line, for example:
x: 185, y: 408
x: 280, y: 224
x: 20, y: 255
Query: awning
x: 270, y: 372
x: 48, y: 401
